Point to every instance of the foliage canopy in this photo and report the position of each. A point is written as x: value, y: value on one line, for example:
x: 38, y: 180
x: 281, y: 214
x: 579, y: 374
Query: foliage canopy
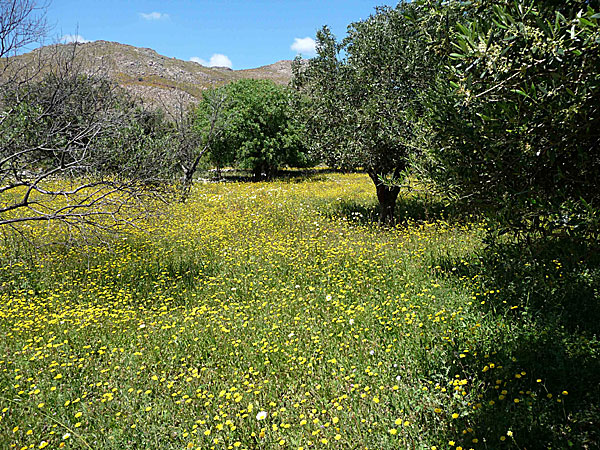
x: 515, y: 117
x: 259, y: 132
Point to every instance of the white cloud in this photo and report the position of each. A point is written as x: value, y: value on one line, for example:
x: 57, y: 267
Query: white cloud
x: 219, y: 60
x: 198, y: 60
x: 306, y: 46
x: 154, y: 16
x: 216, y: 60
x: 70, y: 38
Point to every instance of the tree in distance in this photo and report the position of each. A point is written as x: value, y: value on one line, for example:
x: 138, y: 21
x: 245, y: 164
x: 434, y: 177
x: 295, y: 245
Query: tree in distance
x: 195, y: 133
x: 257, y: 127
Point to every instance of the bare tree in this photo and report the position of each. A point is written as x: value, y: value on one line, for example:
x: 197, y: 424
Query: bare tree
x: 74, y: 147
x: 22, y: 22
x: 196, y: 127
x: 203, y: 132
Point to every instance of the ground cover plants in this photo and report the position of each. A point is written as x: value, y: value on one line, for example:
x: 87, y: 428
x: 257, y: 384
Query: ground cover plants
x: 273, y: 315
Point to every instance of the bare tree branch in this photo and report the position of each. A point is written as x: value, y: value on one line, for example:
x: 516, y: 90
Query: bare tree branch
x: 22, y: 22
x: 192, y: 138
x: 74, y: 147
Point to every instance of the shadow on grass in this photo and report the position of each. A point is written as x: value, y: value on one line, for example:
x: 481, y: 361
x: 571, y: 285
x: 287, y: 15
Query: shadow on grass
x: 539, y: 360
x: 413, y: 208
x: 289, y: 175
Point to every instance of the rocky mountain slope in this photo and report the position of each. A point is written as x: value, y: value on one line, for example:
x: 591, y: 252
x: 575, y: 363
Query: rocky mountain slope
x: 157, y: 79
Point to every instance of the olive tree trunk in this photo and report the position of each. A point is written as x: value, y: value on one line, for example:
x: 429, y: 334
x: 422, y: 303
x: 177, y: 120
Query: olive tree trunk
x: 387, y: 196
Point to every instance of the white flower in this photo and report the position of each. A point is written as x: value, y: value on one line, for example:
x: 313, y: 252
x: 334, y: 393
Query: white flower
x: 261, y: 415
x: 372, y: 352
x: 351, y: 321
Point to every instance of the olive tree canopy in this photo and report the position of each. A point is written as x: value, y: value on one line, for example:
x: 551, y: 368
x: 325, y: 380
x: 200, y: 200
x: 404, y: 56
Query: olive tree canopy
x: 363, y: 94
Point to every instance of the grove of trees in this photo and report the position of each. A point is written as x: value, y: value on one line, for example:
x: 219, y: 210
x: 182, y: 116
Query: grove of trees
x: 496, y: 101
x: 76, y: 148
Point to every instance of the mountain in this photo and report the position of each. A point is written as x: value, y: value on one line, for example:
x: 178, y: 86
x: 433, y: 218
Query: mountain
x: 157, y: 79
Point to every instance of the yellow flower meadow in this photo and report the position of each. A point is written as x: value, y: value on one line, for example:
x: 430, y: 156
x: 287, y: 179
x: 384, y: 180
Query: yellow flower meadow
x: 255, y: 315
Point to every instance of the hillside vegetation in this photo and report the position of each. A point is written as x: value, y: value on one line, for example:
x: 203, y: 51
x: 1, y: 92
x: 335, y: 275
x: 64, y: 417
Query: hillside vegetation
x: 158, y: 79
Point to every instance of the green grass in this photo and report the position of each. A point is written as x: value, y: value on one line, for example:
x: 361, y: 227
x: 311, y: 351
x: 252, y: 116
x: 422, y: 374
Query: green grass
x: 282, y: 297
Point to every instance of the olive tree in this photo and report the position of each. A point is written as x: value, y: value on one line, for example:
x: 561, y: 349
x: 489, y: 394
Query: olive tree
x: 515, y: 118
x: 364, y: 93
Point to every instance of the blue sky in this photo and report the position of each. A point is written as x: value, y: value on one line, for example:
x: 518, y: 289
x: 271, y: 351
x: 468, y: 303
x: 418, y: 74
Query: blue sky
x: 238, y: 33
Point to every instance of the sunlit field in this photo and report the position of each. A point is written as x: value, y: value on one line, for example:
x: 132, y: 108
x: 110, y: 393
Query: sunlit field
x: 275, y: 315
